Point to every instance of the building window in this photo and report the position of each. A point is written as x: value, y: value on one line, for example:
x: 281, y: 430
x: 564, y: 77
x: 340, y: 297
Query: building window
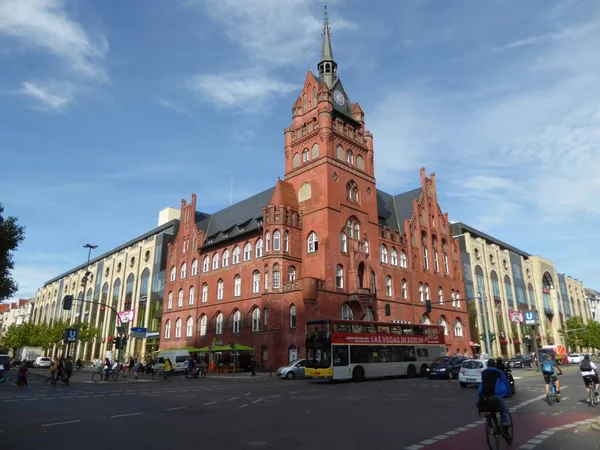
x: 191, y: 297
x: 441, y: 295
x: 170, y: 300
x: 237, y: 321
x: 427, y: 292
x: 168, y: 329
x: 436, y: 262
x: 206, y: 264
x: 219, y: 324
x: 276, y: 277
x: 204, y: 293
x: 195, y: 267
x: 346, y: 312
x: 203, y: 325
x: 268, y: 241
x: 259, y: 248
x: 266, y: 317
x: 293, y: 316
x: 383, y: 254
x: 352, y: 193
x: 173, y: 273
x: 425, y: 254
x: 286, y: 241
x: 388, y: 286
x: 403, y: 262
x: 349, y: 158
x: 313, y: 242
x: 458, y: 328
x: 291, y: 273
x: 343, y: 242
x: 276, y: 240
x: 446, y: 268
x: 215, y: 261
x: 365, y: 244
x: 457, y: 296
x: 421, y: 298
x: 356, y: 231
x: 220, y: 290
x: 177, y: 328
x: 247, y: 251
x: 305, y: 155
x: 339, y: 277
x: 266, y: 279
x: 452, y: 297
x: 237, y: 286
x: 226, y: 258
x: 180, y: 298
x: 256, y: 282
x: 394, y: 257
x: 183, y: 270
x: 442, y: 322
x: 236, y: 255
x: 189, y: 328
x: 256, y: 319
x: 404, y: 290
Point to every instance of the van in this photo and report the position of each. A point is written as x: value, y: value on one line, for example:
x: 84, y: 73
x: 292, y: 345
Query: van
x: 177, y: 358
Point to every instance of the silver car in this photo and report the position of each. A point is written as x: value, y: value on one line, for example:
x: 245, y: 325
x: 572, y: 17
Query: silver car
x: 295, y: 369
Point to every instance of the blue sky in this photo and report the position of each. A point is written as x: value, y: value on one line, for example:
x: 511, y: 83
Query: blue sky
x: 112, y: 110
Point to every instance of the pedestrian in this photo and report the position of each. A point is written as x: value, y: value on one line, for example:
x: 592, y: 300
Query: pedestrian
x: 203, y: 368
x: 6, y: 371
x: 253, y: 367
x: 53, y: 369
x: 68, y: 369
x: 22, y: 375
x: 136, y: 369
x: 60, y: 371
x: 131, y: 364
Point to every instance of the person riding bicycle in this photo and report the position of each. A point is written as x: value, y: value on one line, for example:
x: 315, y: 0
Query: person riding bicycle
x: 492, y: 390
x: 589, y: 372
x: 167, y: 366
x: 107, y: 368
x: 548, y: 366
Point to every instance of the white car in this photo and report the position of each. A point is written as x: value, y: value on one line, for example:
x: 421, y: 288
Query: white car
x: 575, y: 358
x: 470, y: 371
x: 42, y: 362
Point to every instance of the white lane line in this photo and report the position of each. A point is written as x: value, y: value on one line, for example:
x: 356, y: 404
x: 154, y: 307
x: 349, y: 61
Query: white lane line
x: 125, y: 415
x: 100, y: 395
x: 60, y: 423
x: 259, y: 400
x: 294, y: 392
x: 83, y: 396
x: 10, y: 400
x: 248, y: 393
x: 209, y: 403
x: 243, y: 406
x: 176, y: 408
x: 232, y: 398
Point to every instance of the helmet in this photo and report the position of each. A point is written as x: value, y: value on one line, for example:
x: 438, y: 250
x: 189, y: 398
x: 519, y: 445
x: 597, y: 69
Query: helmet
x: 491, y: 363
x: 498, y: 360
x: 586, y: 357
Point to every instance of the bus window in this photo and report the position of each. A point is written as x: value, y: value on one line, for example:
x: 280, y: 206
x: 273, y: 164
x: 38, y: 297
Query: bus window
x: 340, y: 355
x: 422, y: 353
x: 383, y: 329
x: 359, y: 354
x: 316, y: 331
x: 318, y: 357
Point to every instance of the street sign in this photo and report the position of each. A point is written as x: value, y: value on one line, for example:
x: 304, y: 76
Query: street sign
x: 71, y: 335
x: 139, y: 332
x: 530, y: 318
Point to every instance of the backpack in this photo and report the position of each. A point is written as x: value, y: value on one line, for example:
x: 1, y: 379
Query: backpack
x: 585, y: 366
x: 548, y: 366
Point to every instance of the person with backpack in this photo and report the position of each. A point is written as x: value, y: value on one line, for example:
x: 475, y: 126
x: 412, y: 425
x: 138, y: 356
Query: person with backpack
x: 68, y: 370
x: 548, y: 366
x: 589, y: 372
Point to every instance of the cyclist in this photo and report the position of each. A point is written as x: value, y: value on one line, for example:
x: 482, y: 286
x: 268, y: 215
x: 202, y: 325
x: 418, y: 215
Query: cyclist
x: 548, y: 370
x: 589, y: 372
x: 494, y: 384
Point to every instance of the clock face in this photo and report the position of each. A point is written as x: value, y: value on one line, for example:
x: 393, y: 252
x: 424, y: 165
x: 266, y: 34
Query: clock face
x: 339, y: 98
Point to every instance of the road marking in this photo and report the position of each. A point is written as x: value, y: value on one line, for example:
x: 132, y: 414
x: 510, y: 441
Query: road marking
x: 243, y: 406
x: 60, y: 423
x: 248, y: 393
x: 83, y: 396
x: 294, y: 392
x: 176, y: 408
x: 210, y: 403
x: 232, y: 398
x: 10, y: 400
x: 259, y: 400
x: 100, y: 395
x: 125, y: 415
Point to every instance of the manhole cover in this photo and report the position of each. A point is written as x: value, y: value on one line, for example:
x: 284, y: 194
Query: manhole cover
x: 256, y: 443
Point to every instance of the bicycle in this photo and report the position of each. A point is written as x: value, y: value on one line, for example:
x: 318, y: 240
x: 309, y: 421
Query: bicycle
x: 553, y: 396
x: 494, y: 432
x: 592, y: 396
x: 162, y: 375
x: 98, y: 376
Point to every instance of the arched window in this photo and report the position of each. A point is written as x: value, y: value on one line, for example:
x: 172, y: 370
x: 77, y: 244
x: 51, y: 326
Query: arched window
x: 236, y: 255
x: 180, y: 298
x: 296, y: 160
x: 352, y: 192
x: 441, y: 295
x: 191, y: 296
x: 178, y: 328
x: 219, y: 324
x: 170, y: 300
x: 226, y: 258
x: 436, y: 261
x: 425, y: 320
x: 168, y: 329
x: 247, y: 251
x: 194, y: 267
x: 237, y: 286
x: 183, y: 271
x: 206, y: 264
x: 346, y: 312
x: 305, y: 155
x: 404, y: 289
x: 339, y: 277
x: 293, y: 316
x: 305, y: 192
x: 276, y: 277
x: 220, y: 286
x: 204, y: 293
x: 388, y: 286
x: 393, y: 257
x: 256, y: 319
x: 259, y: 248
x: 173, y: 273
x: 383, y: 254
x: 442, y: 322
x: 203, y: 325
x: 349, y: 158
x: 276, y: 240
x: 291, y: 273
x: 458, y: 328
x: 237, y: 321
x: 427, y: 297
x: 421, y: 297
x: 369, y: 316
x: 457, y: 297
x: 266, y: 317
x: 313, y: 242
x: 268, y: 241
x: 360, y: 162
x: 215, y: 261
x: 286, y: 241
x: 314, y: 97
x: 453, y: 298
x: 403, y: 259
x: 424, y: 250
x: 446, y: 267
x: 256, y: 282
x: 356, y: 231
x: 365, y: 244
x: 340, y: 153
x: 343, y: 242
x: 349, y: 228
x: 189, y: 328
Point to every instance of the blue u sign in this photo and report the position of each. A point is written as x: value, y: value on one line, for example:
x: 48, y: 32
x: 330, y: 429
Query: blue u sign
x: 530, y: 318
x: 71, y: 335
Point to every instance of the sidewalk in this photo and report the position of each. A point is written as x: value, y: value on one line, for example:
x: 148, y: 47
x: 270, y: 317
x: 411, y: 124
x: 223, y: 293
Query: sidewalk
x: 532, y: 372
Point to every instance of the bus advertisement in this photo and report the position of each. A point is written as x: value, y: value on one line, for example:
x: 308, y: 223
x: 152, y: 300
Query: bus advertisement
x: 355, y: 350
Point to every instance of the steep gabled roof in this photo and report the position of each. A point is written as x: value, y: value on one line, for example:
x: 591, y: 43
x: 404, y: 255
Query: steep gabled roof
x: 393, y: 210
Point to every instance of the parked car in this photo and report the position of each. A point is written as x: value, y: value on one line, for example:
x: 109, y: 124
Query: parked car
x: 470, y: 372
x: 295, y: 369
x: 520, y: 361
x: 42, y: 361
x: 445, y: 367
x: 575, y: 358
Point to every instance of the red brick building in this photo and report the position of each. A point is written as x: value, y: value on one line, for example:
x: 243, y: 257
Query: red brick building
x: 322, y: 243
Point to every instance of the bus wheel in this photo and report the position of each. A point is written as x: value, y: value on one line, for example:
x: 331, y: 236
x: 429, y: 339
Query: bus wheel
x: 411, y: 372
x: 358, y: 374
x: 424, y: 370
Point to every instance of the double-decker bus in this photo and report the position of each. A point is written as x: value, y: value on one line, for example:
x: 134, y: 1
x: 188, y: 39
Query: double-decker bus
x: 349, y: 349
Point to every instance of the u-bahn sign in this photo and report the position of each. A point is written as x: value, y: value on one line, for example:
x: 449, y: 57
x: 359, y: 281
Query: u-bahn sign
x: 530, y: 318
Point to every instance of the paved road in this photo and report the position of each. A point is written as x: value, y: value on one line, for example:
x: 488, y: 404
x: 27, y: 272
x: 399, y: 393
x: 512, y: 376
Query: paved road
x: 264, y: 412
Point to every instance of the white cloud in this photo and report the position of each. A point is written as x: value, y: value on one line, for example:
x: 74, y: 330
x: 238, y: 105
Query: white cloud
x: 175, y: 107
x: 43, y: 97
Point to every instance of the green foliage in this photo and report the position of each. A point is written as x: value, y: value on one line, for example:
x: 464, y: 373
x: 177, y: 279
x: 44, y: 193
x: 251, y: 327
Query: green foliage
x: 43, y: 335
x: 11, y: 234
x: 582, y: 335
x: 87, y: 333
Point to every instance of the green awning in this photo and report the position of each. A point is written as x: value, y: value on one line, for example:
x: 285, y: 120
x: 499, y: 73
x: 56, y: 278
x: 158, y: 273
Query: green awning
x: 189, y: 349
x: 224, y: 348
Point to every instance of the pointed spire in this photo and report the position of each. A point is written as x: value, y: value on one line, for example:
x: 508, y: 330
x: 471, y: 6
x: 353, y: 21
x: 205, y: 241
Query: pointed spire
x: 327, y: 65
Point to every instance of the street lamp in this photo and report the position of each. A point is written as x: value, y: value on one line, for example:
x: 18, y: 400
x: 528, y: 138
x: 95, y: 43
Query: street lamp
x: 90, y: 247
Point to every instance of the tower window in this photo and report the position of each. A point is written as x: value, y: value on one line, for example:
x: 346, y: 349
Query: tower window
x: 305, y: 155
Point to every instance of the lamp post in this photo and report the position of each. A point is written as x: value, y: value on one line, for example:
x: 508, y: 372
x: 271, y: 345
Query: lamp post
x: 90, y: 247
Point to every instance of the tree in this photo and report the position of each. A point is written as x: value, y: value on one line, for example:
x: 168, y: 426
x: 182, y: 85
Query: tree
x: 578, y: 334
x: 87, y: 332
x: 11, y: 234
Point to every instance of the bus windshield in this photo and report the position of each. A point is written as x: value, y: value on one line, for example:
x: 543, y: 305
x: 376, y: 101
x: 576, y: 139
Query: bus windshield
x: 318, y: 357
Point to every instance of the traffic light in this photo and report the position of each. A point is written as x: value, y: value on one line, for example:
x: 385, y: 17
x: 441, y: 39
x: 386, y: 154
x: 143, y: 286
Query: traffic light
x: 428, y: 306
x: 388, y: 309
x: 68, y: 302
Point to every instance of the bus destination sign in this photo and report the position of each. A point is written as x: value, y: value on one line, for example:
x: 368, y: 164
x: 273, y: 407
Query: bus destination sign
x: 383, y: 339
